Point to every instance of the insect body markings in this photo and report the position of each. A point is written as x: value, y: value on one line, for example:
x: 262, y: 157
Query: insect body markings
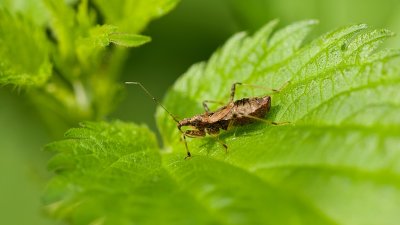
x: 235, y: 113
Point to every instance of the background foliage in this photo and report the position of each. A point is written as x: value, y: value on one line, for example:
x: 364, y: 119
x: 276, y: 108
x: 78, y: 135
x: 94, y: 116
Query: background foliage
x: 168, y: 56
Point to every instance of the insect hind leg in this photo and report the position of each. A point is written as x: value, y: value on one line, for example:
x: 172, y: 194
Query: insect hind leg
x: 233, y: 91
x: 215, y: 134
x: 224, y: 145
x: 233, y: 88
x: 265, y: 120
x: 205, y: 106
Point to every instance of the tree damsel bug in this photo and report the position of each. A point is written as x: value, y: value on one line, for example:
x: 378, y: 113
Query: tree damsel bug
x: 235, y: 113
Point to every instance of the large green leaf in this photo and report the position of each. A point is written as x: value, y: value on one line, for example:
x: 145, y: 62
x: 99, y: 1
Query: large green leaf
x: 337, y: 162
x: 341, y: 153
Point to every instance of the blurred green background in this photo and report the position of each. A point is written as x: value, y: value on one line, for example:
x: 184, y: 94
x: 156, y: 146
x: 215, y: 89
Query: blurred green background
x: 187, y: 35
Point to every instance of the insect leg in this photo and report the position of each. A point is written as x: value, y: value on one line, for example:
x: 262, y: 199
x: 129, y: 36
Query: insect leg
x: 215, y: 133
x: 264, y: 120
x: 267, y: 88
x: 186, y: 146
x: 222, y: 143
x: 205, y: 106
x: 192, y: 134
x: 233, y: 90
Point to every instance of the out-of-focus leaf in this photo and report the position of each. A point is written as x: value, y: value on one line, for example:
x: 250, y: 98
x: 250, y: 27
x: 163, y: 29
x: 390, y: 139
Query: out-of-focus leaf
x: 133, y: 16
x: 101, y: 36
x: 128, y: 40
x: 24, y: 59
x: 32, y: 9
x: 332, y: 13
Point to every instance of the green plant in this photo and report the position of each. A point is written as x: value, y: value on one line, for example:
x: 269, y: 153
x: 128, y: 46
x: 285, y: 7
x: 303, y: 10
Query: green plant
x: 336, y: 163
x: 62, y: 56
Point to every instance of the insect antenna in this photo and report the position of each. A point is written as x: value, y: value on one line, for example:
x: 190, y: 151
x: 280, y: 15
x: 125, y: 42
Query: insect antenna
x: 154, y: 99
x: 172, y: 116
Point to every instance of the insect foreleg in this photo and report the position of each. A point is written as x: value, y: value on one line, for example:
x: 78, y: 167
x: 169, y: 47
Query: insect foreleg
x: 192, y: 134
x: 186, y: 146
x: 195, y: 133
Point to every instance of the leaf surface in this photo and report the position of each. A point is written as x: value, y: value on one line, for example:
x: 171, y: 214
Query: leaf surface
x: 112, y: 174
x: 336, y: 162
x: 340, y: 154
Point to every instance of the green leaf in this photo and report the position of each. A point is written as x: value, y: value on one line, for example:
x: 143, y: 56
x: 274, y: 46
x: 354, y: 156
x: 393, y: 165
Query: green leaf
x: 133, y: 16
x: 340, y: 154
x: 88, y: 48
x: 24, y: 59
x: 337, y: 162
x: 112, y: 174
x: 102, y: 36
x: 128, y: 40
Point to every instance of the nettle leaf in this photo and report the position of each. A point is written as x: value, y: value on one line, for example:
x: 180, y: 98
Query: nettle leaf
x: 24, y: 59
x: 337, y: 162
x: 112, y: 174
x: 133, y: 16
x: 340, y: 155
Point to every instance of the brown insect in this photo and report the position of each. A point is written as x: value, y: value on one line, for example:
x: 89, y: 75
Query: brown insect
x: 235, y: 113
